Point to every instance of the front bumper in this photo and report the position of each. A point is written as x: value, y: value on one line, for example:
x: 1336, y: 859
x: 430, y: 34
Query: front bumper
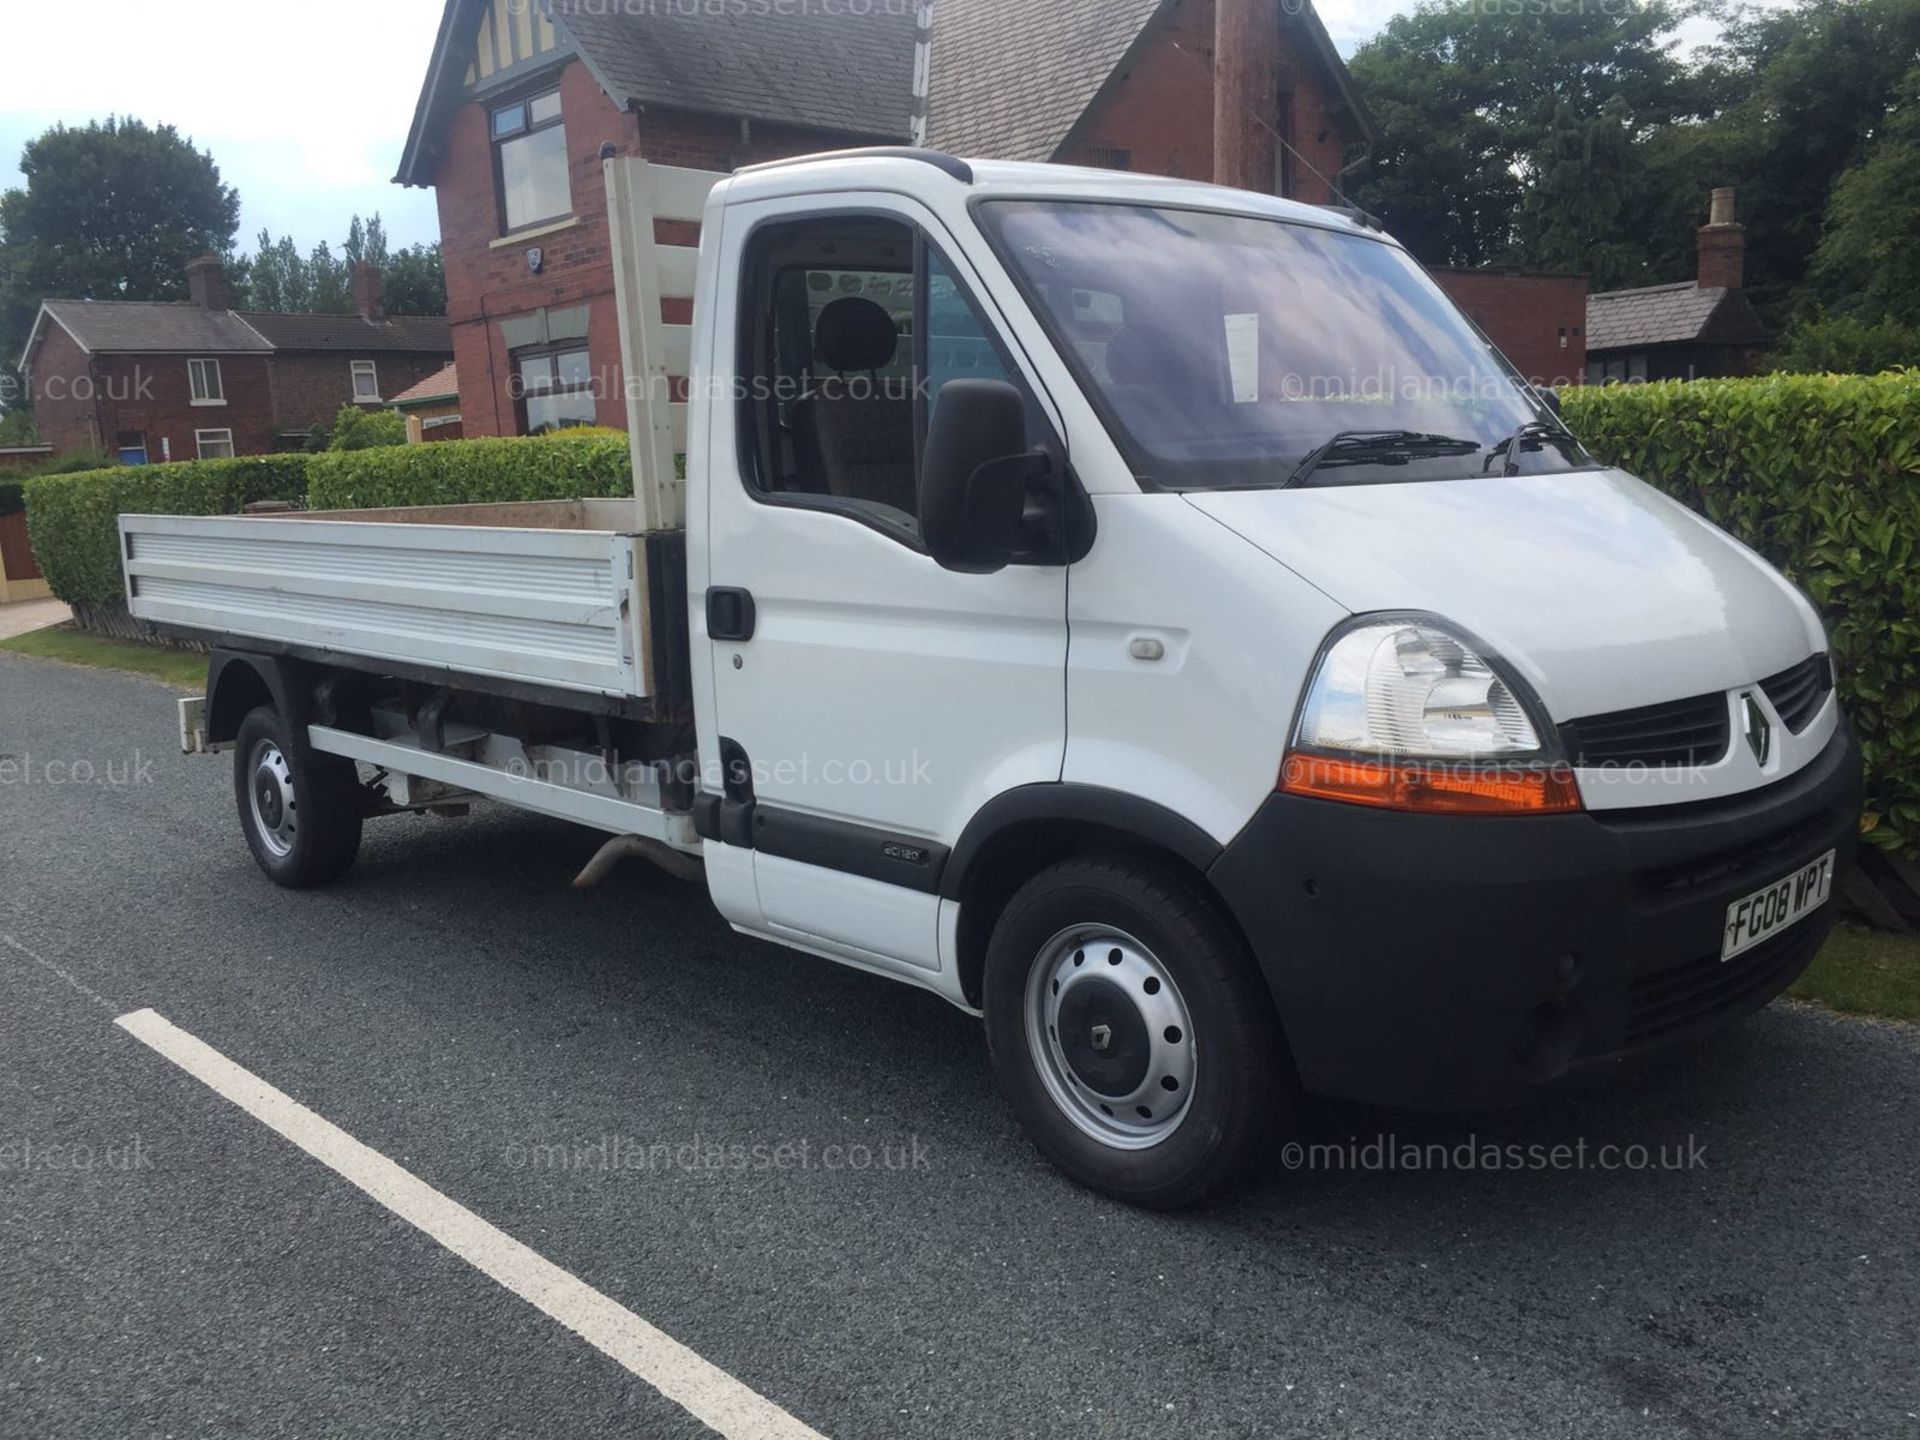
x: 1428, y: 960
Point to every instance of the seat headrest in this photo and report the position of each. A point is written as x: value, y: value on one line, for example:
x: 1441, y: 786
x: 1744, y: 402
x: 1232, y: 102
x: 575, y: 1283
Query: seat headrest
x: 855, y: 333
x: 1132, y: 360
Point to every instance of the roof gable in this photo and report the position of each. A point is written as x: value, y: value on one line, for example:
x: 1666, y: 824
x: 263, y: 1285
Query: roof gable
x: 1011, y: 79
x: 1674, y: 314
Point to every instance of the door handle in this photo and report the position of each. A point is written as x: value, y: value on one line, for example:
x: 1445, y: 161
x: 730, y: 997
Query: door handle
x: 730, y: 613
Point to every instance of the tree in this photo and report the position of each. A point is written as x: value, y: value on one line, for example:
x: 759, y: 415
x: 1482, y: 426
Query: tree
x: 285, y: 281
x: 111, y: 211
x: 355, y: 428
x: 415, y: 283
x: 1867, y: 264
x: 1466, y: 95
x: 1571, y: 215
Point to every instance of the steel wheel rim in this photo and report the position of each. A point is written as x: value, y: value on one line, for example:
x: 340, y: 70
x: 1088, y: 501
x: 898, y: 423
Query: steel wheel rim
x: 1135, y: 1092
x: 270, y: 796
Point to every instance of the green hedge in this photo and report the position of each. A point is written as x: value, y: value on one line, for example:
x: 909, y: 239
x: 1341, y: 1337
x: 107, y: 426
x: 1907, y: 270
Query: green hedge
x: 72, y: 519
x: 1821, y: 474
x: 463, y: 472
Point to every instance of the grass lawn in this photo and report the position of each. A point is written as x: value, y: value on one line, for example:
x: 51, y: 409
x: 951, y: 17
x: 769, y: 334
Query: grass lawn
x: 179, y: 668
x: 1866, y: 972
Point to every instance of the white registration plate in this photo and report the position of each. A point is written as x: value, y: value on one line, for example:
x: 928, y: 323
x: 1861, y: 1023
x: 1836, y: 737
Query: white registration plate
x: 1767, y: 912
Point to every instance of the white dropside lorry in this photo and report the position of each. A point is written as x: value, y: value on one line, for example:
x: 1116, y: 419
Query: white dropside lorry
x: 1146, y: 614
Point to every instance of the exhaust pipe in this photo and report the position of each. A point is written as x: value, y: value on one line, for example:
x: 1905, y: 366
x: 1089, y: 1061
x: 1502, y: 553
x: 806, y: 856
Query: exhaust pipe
x: 676, y: 863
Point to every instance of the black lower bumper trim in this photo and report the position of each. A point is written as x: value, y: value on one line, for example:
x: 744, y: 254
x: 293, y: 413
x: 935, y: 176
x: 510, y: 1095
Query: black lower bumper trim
x: 1443, y: 960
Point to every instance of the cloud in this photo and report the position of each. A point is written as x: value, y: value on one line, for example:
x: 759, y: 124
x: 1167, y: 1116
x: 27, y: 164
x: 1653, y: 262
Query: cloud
x: 304, y: 108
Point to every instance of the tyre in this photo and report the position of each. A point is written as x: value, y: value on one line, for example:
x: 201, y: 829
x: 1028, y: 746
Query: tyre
x: 300, y: 811
x: 1132, y: 1034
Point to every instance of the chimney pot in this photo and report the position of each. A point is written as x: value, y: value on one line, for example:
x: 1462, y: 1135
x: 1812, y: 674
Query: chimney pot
x: 366, y: 292
x: 1722, y: 245
x: 207, y: 283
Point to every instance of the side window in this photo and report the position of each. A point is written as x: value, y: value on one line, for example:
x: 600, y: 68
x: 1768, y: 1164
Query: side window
x: 850, y: 326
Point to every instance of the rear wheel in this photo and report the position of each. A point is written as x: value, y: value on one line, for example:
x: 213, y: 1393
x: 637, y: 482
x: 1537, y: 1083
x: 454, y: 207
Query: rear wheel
x: 1131, y: 1033
x: 301, y: 812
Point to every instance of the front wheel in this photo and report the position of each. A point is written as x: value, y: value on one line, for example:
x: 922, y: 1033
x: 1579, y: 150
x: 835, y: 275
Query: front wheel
x: 1131, y: 1033
x: 301, y: 812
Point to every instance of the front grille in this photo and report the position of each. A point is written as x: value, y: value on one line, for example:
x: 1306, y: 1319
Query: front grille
x: 1696, y: 990
x: 1798, y: 694
x: 1679, y: 732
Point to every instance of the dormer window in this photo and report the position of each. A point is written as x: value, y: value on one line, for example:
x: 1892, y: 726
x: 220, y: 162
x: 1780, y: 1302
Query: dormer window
x: 530, y: 162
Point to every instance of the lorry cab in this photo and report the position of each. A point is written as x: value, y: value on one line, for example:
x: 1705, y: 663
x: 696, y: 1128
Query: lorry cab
x: 1146, y: 614
x: 1312, y: 616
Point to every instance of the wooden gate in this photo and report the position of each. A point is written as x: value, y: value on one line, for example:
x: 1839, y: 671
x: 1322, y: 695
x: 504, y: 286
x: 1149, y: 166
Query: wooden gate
x: 19, y: 572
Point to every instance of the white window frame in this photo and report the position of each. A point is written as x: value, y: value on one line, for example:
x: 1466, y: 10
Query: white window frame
x: 201, y: 437
x: 198, y: 372
x: 368, y: 368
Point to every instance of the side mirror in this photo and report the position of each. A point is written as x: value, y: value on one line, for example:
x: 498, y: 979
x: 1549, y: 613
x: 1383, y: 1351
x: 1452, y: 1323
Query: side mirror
x: 1550, y: 397
x: 973, y: 486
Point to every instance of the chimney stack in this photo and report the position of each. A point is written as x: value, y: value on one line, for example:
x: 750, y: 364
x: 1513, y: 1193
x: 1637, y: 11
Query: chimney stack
x: 1246, y: 44
x: 1723, y: 245
x: 207, y: 283
x: 366, y: 292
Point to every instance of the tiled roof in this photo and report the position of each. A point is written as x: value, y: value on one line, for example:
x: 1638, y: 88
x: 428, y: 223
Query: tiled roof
x: 1011, y: 78
x: 1671, y: 314
x: 157, y: 326
x: 847, y: 68
x: 409, y: 334
x: 443, y: 384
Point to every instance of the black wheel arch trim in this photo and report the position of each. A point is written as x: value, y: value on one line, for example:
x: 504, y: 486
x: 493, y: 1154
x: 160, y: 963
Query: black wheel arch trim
x: 279, y: 676
x: 1074, y: 803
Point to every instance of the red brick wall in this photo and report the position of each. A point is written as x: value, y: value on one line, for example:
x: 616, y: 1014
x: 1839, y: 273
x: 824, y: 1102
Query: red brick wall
x: 486, y: 282
x: 151, y: 393
x: 63, y: 391
x: 309, y: 390
x: 84, y: 403
x: 1537, y: 321
x: 1162, y: 109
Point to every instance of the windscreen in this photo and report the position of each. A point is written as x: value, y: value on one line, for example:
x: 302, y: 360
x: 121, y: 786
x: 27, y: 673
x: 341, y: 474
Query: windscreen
x: 1225, y: 350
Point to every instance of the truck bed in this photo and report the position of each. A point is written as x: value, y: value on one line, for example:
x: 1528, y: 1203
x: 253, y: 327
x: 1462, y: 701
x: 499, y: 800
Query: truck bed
x: 549, y: 597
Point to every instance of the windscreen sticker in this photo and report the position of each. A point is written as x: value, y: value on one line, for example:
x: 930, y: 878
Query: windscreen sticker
x: 1243, y: 357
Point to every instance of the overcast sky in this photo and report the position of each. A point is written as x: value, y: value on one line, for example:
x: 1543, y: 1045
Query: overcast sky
x: 304, y: 108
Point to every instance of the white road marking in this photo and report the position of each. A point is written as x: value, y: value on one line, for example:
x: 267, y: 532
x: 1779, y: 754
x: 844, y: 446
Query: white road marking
x: 702, y: 1389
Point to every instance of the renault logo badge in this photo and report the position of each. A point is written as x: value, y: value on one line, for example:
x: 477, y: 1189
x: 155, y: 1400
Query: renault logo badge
x: 1759, y: 729
x: 1102, y: 1037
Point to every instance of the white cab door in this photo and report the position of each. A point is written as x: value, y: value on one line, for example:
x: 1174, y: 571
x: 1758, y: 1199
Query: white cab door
x: 877, y: 699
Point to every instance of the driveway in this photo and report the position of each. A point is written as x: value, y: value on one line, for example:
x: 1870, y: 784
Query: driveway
x: 25, y: 615
x: 564, y: 1065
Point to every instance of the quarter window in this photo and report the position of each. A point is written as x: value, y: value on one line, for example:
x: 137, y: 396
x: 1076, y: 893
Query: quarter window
x: 366, y: 380
x: 530, y: 161
x: 214, y: 444
x: 203, y: 378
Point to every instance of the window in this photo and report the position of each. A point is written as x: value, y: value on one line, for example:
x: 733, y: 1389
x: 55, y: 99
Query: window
x: 131, y: 447
x: 1109, y: 157
x: 851, y: 328
x: 214, y: 444
x: 530, y: 162
x: 203, y: 379
x: 554, y: 388
x: 366, y: 381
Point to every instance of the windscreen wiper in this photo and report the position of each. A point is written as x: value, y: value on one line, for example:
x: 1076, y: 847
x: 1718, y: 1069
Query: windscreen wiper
x: 1533, y: 435
x: 1377, y: 447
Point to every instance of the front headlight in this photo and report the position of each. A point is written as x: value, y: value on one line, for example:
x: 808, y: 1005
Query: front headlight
x: 1403, y: 713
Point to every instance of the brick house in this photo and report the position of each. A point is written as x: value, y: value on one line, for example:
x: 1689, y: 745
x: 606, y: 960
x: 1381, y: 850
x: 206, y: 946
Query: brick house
x: 1536, y: 318
x: 1687, y: 330
x: 148, y: 382
x: 522, y: 102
